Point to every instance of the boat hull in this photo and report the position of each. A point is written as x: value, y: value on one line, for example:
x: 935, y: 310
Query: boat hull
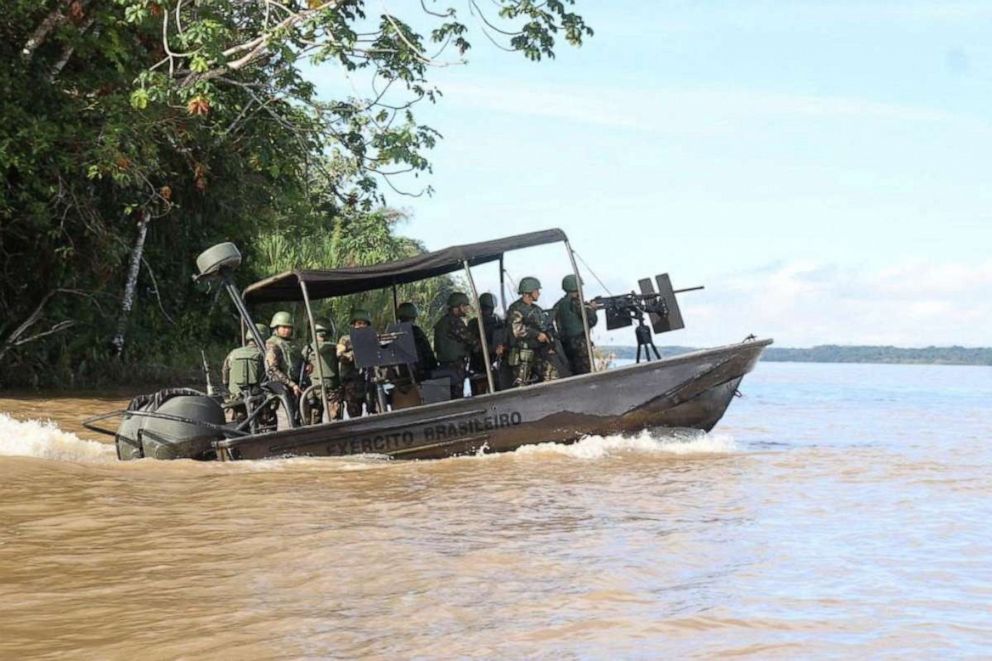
x: 687, y: 391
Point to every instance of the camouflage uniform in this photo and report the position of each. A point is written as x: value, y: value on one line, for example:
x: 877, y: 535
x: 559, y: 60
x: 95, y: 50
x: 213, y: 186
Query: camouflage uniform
x: 354, y: 387
x: 283, y: 361
x: 454, y: 344
x: 426, y: 360
x: 568, y: 319
x: 495, y: 337
x: 327, y: 356
x: 526, y: 323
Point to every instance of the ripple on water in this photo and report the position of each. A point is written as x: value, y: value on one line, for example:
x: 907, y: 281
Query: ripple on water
x: 816, y: 523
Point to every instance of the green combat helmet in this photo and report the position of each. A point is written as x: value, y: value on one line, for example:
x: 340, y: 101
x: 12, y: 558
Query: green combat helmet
x: 457, y: 298
x: 320, y: 327
x: 569, y: 284
x: 528, y: 284
x: 487, y: 300
x: 360, y: 314
x: 262, y: 329
x: 281, y: 318
x: 407, y: 312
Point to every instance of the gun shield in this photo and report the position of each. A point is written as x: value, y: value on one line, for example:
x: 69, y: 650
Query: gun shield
x: 672, y: 320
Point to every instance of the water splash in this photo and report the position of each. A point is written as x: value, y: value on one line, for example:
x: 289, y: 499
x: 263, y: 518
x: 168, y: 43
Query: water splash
x: 676, y: 442
x: 45, y: 440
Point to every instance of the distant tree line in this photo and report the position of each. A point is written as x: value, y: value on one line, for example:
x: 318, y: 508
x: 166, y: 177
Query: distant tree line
x: 833, y: 353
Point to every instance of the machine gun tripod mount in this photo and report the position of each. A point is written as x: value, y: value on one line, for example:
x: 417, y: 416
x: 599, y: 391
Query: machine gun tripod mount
x: 661, y: 307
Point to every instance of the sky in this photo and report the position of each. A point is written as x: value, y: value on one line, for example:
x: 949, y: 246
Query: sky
x: 820, y: 167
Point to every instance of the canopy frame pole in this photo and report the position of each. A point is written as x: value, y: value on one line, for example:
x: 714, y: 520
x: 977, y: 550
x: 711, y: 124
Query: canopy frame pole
x: 502, y: 285
x: 239, y: 303
x: 316, y: 348
x: 396, y: 305
x: 582, y: 306
x: 482, y: 328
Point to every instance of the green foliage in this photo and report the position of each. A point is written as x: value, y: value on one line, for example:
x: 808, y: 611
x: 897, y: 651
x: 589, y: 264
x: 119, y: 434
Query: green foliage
x: 196, y: 118
x: 353, y: 240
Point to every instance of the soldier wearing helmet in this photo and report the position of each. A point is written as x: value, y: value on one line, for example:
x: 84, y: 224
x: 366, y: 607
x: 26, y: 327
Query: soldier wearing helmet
x: 567, y: 315
x: 325, y: 353
x: 532, y: 347
x: 426, y: 360
x: 454, y: 343
x: 283, y: 361
x: 354, y: 388
x: 495, y: 337
x: 243, y: 371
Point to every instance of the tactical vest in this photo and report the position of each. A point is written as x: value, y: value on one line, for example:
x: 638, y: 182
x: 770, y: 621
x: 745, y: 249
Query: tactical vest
x: 426, y: 360
x: 348, y: 369
x: 534, y: 320
x: 448, y: 348
x: 291, y: 355
x: 327, y: 356
x: 568, y: 317
x: 247, y: 369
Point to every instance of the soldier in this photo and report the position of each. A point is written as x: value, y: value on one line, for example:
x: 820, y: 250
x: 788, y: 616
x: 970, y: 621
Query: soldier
x: 533, y: 354
x: 454, y: 343
x: 496, y: 342
x: 568, y: 319
x: 354, y: 387
x: 283, y: 361
x: 426, y: 360
x: 326, y: 355
x: 242, y: 373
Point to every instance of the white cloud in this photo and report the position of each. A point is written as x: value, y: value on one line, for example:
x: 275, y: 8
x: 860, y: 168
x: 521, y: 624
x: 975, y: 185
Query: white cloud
x: 807, y: 303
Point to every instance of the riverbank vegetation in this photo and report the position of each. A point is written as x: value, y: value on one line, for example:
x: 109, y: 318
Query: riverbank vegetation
x: 136, y: 133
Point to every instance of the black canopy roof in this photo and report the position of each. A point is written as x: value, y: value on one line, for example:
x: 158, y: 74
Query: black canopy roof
x: 357, y: 279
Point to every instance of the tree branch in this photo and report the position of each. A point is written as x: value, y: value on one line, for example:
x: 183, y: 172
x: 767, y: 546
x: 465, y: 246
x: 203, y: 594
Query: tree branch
x: 54, y: 19
x: 15, y: 339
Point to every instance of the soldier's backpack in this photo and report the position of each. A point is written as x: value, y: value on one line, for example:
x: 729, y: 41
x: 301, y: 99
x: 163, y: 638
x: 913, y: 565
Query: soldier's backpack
x: 247, y: 369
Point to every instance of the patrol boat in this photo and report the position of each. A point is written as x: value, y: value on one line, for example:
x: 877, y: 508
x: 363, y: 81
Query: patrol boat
x: 691, y: 390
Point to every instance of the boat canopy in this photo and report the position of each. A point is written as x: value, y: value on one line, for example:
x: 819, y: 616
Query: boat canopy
x: 357, y: 279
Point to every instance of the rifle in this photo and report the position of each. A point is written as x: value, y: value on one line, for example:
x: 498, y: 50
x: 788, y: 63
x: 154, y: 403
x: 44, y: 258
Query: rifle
x: 552, y: 351
x: 206, y: 372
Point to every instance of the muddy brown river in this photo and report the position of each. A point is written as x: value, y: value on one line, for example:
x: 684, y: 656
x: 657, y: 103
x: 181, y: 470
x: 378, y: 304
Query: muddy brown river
x: 839, y: 510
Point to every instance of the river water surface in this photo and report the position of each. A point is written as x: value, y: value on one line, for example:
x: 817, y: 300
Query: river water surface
x: 838, y: 510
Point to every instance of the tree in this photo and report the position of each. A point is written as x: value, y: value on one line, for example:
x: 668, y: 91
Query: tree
x: 137, y: 132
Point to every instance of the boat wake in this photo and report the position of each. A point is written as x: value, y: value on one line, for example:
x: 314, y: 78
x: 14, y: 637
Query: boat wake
x: 45, y: 440
x: 685, y: 442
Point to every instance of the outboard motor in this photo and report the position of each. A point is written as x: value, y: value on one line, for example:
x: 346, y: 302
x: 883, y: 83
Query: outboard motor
x: 171, y: 424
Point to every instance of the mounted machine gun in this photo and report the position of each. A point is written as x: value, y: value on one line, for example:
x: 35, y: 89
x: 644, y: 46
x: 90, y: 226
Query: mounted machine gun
x: 661, y: 307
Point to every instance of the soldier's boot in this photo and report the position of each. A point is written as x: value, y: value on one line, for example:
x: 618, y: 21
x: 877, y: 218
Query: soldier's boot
x: 335, y: 408
x: 522, y: 373
x: 548, y: 371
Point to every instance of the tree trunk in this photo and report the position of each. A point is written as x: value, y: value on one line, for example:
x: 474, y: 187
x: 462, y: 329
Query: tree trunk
x: 132, y: 283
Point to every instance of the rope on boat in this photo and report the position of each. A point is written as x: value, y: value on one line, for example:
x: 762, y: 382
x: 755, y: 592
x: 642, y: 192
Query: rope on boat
x: 593, y: 273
